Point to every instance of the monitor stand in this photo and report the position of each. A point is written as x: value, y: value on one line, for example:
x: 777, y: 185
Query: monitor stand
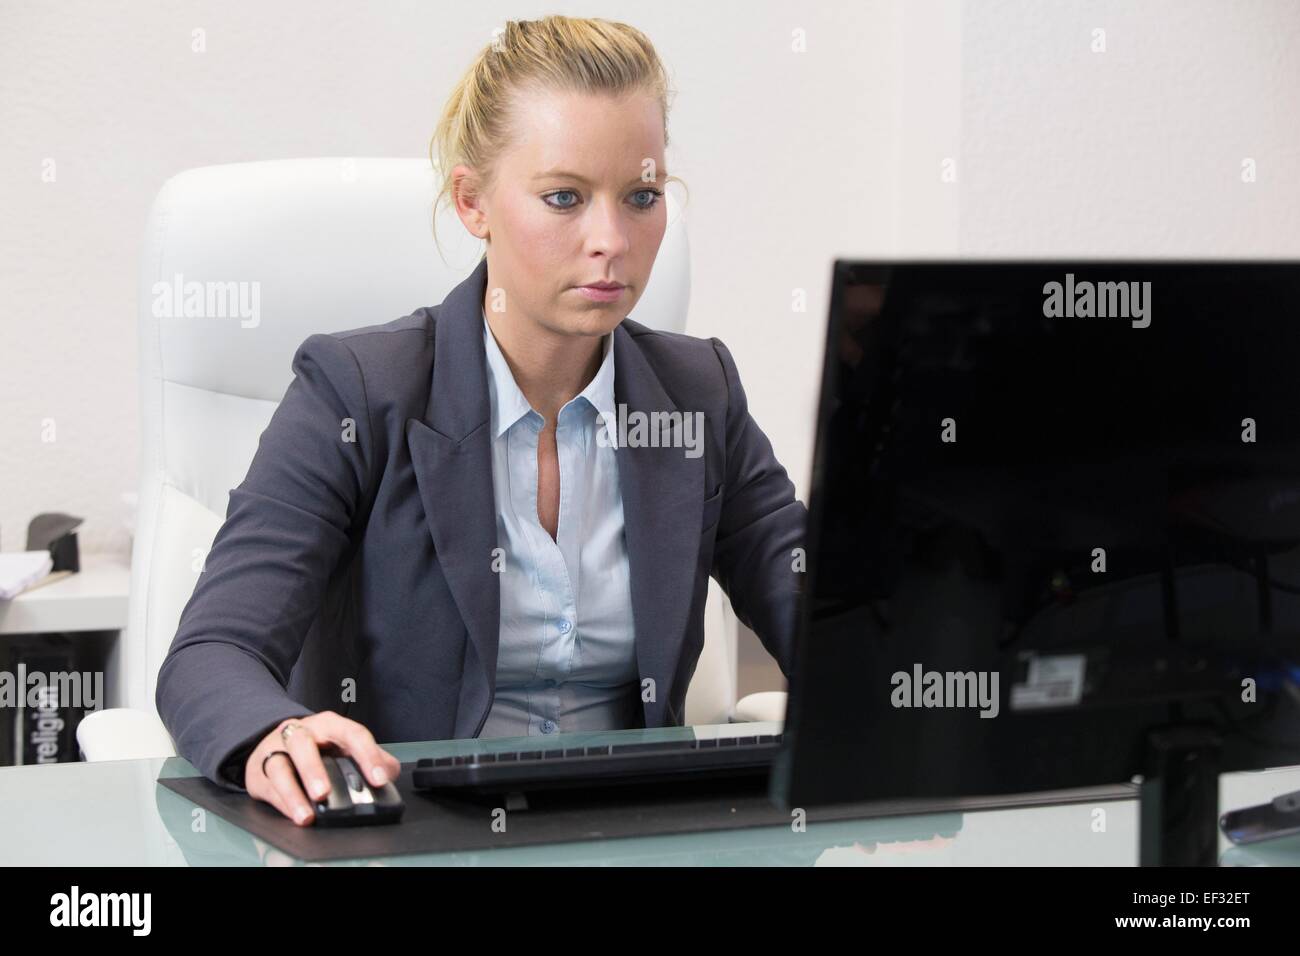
x: 1179, y: 798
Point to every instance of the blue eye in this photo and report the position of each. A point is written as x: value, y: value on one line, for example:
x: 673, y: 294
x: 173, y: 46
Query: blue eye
x: 655, y: 195
x: 654, y: 198
x: 562, y: 192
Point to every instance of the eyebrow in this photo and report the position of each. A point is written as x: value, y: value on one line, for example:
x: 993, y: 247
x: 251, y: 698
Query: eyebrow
x: 565, y: 174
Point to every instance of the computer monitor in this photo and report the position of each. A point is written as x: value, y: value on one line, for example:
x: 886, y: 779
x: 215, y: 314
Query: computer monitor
x: 1054, y: 537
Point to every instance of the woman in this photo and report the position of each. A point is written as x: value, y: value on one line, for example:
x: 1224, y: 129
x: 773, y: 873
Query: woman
x: 447, y: 529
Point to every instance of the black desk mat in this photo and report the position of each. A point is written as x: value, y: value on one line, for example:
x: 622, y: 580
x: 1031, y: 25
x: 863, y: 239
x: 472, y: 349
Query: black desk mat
x: 447, y: 824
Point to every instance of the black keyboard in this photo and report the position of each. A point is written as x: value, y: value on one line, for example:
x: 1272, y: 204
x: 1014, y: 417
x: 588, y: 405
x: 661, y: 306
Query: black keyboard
x: 661, y: 762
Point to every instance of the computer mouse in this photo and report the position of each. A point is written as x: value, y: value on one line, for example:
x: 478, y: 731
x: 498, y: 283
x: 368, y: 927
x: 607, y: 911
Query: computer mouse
x: 351, y: 800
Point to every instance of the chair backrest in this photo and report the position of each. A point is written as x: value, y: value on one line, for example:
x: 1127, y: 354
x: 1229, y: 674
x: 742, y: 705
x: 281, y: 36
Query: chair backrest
x: 240, y: 264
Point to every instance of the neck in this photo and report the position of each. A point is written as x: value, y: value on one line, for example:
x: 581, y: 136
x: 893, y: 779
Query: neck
x: 550, y: 369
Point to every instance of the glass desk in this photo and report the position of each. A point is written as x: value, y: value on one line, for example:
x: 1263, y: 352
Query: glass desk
x: 115, y: 813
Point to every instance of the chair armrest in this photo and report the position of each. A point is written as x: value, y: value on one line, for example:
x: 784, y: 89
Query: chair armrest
x: 765, y: 705
x: 121, y: 733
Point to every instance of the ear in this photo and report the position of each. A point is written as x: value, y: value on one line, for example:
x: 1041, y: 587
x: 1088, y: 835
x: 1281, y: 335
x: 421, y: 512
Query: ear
x: 466, y: 197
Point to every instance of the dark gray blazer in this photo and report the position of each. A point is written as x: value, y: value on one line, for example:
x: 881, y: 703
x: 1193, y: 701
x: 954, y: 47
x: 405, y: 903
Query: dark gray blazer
x: 356, y: 575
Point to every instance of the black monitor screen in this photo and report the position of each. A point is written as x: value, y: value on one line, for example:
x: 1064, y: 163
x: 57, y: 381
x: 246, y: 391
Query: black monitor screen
x: 1056, y: 507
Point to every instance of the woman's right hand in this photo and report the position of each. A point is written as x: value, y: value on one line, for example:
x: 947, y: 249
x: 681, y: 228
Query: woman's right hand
x: 329, y: 731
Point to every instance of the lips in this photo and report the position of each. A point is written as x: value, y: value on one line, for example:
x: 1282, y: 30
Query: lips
x: 608, y: 286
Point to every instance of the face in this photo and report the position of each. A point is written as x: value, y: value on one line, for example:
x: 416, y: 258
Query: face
x: 577, y: 199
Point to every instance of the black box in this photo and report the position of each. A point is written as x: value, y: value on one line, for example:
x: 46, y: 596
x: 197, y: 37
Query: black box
x: 46, y: 733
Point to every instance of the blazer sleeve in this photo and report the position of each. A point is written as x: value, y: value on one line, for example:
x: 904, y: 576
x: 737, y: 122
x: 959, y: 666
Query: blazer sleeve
x: 760, y: 526
x: 222, y: 685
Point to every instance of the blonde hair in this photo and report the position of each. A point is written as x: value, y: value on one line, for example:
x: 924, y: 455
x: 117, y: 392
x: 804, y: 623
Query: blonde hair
x: 566, y: 54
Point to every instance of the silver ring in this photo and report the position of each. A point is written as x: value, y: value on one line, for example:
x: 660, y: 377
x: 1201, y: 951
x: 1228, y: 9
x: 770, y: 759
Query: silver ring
x: 287, y: 731
x: 272, y: 754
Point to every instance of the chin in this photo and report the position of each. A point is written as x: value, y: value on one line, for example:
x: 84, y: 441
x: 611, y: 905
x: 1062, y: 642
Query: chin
x: 594, y: 322
x: 596, y: 326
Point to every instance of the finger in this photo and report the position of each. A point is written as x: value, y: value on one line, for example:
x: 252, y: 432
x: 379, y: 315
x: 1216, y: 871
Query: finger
x: 261, y: 786
x: 304, y: 750
x: 292, y: 801
x: 256, y: 779
x: 379, y: 768
x: 376, y: 765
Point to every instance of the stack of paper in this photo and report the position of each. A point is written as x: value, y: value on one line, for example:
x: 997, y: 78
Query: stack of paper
x: 19, y: 570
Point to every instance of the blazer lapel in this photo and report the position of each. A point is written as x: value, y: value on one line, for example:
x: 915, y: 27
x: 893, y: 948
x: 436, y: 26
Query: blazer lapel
x: 663, y: 503
x: 452, y: 455
x: 662, y: 491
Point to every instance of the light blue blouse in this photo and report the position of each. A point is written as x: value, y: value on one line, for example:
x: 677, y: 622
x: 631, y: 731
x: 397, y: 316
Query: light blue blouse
x: 567, y: 656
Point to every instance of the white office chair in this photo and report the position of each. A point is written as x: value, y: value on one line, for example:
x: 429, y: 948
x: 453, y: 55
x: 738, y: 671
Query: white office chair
x: 329, y: 244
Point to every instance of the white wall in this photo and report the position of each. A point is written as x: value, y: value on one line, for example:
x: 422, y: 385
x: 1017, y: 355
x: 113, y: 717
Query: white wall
x: 792, y: 159
x: 1137, y: 150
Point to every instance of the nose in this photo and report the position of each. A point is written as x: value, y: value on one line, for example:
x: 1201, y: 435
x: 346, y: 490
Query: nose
x: 606, y: 229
